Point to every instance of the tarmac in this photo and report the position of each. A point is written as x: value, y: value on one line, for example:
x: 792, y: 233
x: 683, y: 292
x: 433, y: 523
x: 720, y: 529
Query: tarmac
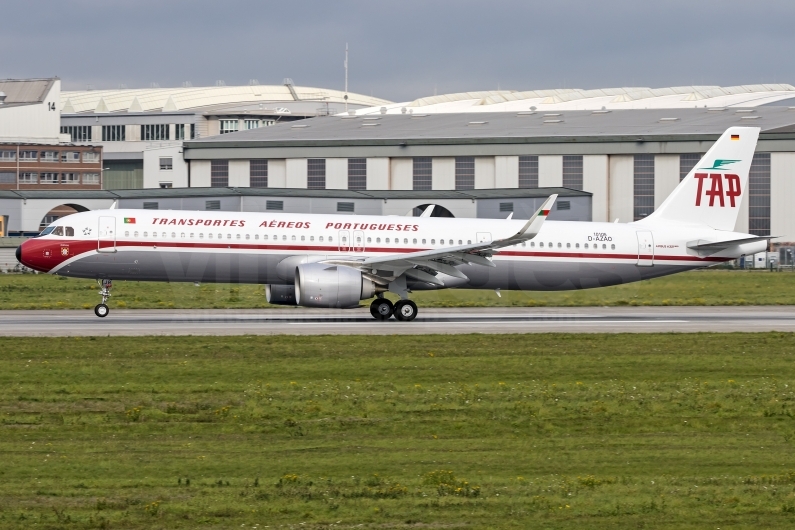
x: 302, y: 321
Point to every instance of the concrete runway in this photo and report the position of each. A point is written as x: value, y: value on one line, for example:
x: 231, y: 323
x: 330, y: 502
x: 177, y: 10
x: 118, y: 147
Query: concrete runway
x: 301, y: 321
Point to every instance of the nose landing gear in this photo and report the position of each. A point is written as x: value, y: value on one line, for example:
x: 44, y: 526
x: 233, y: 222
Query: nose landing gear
x: 102, y: 310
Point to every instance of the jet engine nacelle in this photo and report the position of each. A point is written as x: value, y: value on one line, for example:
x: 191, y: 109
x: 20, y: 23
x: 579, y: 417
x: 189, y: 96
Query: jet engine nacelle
x: 280, y: 294
x: 324, y: 285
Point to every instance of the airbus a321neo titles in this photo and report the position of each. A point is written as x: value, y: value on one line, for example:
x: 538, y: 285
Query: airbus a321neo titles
x: 335, y: 261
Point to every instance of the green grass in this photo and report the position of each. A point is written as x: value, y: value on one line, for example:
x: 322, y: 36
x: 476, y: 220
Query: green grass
x: 506, y: 431
x: 709, y: 287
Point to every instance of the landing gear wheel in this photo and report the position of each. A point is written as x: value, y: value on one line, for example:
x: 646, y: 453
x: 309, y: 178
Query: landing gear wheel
x: 101, y: 310
x: 405, y: 310
x: 381, y: 309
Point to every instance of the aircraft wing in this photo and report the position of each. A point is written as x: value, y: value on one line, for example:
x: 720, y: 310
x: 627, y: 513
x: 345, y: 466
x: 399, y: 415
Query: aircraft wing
x: 424, y: 265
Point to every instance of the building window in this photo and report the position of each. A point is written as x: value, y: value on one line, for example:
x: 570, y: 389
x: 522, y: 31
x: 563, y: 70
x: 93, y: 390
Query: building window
x: 528, y: 171
x: 506, y: 206
x: 48, y: 178
x: 251, y: 124
x: 8, y: 177
x: 151, y: 206
x: 192, y: 131
x: 346, y: 207
x: 219, y: 173
x: 114, y: 133
x: 212, y: 205
x: 166, y: 185
x: 422, y: 173
x: 258, y: 173
x: 78, y: 133
x: 357, y: 173
x: 28, y: 178
x: 643, y: 183
x: 229, y: 126
x: 465, y: 173
x: 179, y: 131
x: 49, y: 156
x: 572, y: 172
x: 28, y: 156
x: 274, y: 205
x: 686, y: 164
x: 316, y: 173
x: 90, y: 178
x: 70, y: 156
x: 90, y: 157
x: 8, y: 156
x: 70, y: 178
x: 759, y: 195
x: 166, y: 163
x: 150, y: 133
x: 563, y: 205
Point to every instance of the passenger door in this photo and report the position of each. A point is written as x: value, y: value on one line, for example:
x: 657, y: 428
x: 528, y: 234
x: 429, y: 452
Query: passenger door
x: 645, y: 248
x: 106, y: 234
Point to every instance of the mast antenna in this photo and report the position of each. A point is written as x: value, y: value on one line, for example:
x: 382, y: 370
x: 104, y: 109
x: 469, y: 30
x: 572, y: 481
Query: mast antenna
x: 346, y: 78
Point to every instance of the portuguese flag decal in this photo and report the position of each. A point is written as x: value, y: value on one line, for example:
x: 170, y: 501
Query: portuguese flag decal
x: 129, y: 220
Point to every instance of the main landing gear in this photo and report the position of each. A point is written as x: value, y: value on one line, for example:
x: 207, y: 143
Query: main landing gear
x: 403, y: 310
x: 102, y: 310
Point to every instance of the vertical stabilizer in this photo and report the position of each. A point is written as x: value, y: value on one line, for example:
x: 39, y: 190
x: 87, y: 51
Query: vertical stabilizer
x: 711, y: 194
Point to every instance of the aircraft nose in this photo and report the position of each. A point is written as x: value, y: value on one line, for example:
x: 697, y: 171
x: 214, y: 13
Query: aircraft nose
x: 19, y: 253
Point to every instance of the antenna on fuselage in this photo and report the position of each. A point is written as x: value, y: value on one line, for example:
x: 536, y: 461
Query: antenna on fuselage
x: 115, y: 203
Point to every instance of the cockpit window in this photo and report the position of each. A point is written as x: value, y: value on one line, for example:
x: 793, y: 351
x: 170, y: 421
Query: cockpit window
x: 70, y: 232
x: 47, y: 230
x: 58, y: 231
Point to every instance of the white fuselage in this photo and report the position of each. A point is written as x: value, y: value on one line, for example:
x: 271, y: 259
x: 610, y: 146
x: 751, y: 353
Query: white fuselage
x: 186, y: 246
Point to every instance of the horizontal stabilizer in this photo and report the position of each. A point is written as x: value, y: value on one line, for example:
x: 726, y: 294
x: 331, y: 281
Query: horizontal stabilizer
x: 716, y: 246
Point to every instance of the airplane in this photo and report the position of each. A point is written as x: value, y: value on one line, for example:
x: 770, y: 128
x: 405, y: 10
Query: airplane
x: 336, y: 261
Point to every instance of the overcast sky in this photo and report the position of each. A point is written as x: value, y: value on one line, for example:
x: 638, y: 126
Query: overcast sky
x: 403, y: 49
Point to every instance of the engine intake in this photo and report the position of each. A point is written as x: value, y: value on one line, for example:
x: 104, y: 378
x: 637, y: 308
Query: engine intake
x: 280, y: 294
x: 323, y: 285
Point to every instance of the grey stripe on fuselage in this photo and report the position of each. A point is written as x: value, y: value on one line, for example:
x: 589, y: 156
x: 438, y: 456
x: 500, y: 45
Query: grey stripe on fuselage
x: 239, y: 267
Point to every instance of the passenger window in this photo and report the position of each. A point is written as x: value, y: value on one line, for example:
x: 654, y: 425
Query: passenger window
x: 378, y: 240
x: 70, y: 232
x: 604, y: 246
x: 541, y: 245
x: 135, y: 234
x: 311, y: 238
x: 181, y: 235
x: 201, y: 235
x: 330, y: 239
x: 284, y: 237
x: 265, y: 237
x: 358, y: 239
x: 568, y: 245
x: 248, y: 236
x: 58, y: 231
x: 320, y: 239
x: 369, y: 239
x: 423, y: 241
x: 191, y: 235
x: 237, y: 236
x: 586, y: 245
x: 532, y: 243
x: 469, y: 241
x: 146, y: 234
x: 414, y: 241
x: 559, y: 245
x: 229, y: 236
x: 433, y: 241
x: 576, y: 245
x: 303, y: 238
x: 387, y: 240
x: 126, y: 234
x: 524, y: 244
x: 256, y: 236
x: 173, y: 234
x: 405, y: 241
x: 209, y: 236
x: 460, y: 242
x: 293, y: 238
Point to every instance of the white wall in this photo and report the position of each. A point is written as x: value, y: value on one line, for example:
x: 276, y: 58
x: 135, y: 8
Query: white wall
x: 296, y: 173
x: 240, y: 173
x: 484, y: 172
x: 336, y: 173
x: 594, y: 180
x: 40, y: 122
x: 378, y: 173
x: 177, y: 176
x: 621, y: 188
x: 666, y: 177
x: 277, y: 173
x: 550, y: 171
x: 199, y: 173
x: 782, y: 192
x: 506, y: 172
x: 402, y: 173
x: 443, y: 173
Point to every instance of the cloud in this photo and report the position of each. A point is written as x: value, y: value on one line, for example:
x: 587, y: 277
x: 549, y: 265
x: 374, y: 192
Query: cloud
x: 402, y: 50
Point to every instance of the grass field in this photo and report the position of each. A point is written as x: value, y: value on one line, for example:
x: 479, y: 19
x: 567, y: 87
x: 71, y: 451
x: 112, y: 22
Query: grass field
x: 549, y: 431
x: 709, y: 287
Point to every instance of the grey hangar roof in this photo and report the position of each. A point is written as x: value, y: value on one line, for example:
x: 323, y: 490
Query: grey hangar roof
x: 566, y: 132
x: 175, y: 193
